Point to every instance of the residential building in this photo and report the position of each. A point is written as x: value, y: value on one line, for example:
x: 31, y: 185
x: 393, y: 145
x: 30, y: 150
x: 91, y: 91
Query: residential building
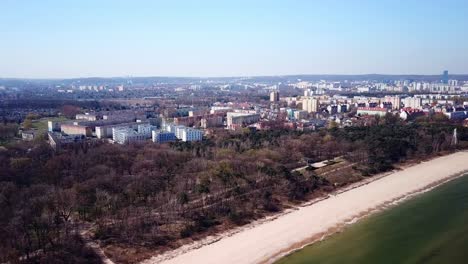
x: 28, y: 135
x: 332, y: 109
x: 159, y: 136
x: 178, y: 131
x: 86, y: 116
x: 394, y: 100
x: 191, y: 134
x: 105, y: 131
x: 274, y: 96
x: 300, y: 114
x: 343, y: 108
x: 198, y: 112
x: 241, y: 119
x: 72, y: 129
x: 145, y: 129
x: 371, y: 111
x: 125, y: 135
x: 220, y: 109
x: 213, y: 121
x: 53, y: 126
x: 410, y: 113
x: 413, y: 102
x: 58, y: 141
x: 310, y: 104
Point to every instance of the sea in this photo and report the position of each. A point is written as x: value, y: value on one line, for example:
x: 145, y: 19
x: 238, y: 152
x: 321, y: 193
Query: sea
x: 429, y: 228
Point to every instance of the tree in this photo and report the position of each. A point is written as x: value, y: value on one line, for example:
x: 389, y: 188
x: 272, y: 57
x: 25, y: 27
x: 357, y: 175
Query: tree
x: 70, y: 111
x: 27, y: 124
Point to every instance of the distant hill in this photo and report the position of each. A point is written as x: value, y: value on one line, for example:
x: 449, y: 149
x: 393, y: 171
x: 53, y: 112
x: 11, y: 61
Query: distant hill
x: 252, y: 79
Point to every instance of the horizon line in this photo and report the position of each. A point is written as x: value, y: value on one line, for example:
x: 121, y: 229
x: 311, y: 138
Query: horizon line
x: 220, y: 77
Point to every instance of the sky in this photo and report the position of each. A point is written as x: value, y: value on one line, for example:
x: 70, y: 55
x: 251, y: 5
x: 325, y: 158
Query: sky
x: 106, y: 38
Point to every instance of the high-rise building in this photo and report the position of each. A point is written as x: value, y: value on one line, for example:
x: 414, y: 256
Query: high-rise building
x: 413, y: 102
x: 453, y: 82
x: 394, y: 100
x: 310, y: 104
x: 274, y: 96
x: 445, y: 77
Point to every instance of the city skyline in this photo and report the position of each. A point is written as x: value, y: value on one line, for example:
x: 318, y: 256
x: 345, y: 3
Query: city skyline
x: 211, y: 39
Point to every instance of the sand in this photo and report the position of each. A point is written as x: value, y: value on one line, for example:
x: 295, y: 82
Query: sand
x: 269, y: 239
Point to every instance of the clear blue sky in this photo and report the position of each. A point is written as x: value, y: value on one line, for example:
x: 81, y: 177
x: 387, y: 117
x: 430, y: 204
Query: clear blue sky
x: 57, y: 38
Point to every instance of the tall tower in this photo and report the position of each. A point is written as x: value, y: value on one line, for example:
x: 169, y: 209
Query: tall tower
x: 445, y: 77
x: 274, y: 96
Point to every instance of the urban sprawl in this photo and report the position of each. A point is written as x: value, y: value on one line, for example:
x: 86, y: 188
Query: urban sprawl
x: 190, y: 110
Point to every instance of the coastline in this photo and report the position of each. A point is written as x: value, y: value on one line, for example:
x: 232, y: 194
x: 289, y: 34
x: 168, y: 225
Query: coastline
x: 269, y: 239
x: 342, y: 226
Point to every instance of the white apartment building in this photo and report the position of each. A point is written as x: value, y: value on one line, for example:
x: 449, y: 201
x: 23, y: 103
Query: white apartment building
x: 178, y: 131
x: 413, y: 102
x: 125, y: 135
x: 184, y: 133
x: 220, y: 109
x: 145, y: 129
x: 190, y: 134
x: 310, y: 104
x: 274, y: 96
x: 86, y: 116
x: 395, y: 100
x: 442, y: 88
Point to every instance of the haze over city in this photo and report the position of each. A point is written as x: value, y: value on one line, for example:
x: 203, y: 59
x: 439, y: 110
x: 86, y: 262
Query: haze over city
x: 57, y: 39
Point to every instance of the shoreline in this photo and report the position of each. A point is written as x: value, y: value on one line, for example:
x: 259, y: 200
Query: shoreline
x: 342, y: 226
x: 269, y: 239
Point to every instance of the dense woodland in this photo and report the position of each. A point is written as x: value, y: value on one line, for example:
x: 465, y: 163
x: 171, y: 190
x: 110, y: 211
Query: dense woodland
x: 151, y: 197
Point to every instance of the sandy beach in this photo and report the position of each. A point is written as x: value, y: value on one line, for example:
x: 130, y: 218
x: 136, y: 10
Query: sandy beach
x: 267, y: 240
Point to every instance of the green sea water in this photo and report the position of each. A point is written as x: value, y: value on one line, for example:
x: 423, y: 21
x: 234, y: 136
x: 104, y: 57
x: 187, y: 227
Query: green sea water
x: 430, y: 228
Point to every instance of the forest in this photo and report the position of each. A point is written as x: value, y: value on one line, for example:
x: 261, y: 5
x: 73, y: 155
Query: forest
x: 138, y: 200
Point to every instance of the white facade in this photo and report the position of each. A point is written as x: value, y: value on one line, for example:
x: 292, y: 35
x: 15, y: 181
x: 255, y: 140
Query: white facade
x: 124, y: 135
x: 413, y: 102
x: 220, y: 109
x: 87, y: 117
x: 395, y: 100
x: 183, y: 133
x: 301, y: 114
x: 371, y: 111
x: 53, y: 126
x: 178, y: 131
x: 274, y: 96
x: 145, y: 129
x: 190, y: 134
x: 310, y: 104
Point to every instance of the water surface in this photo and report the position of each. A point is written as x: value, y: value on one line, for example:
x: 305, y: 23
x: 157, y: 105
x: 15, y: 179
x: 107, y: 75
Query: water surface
x: 430, y: 228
